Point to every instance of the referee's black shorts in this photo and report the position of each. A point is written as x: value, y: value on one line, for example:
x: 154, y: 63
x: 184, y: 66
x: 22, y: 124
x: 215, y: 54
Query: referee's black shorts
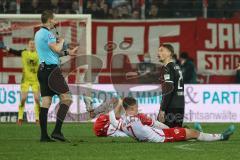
x: 51, y: 80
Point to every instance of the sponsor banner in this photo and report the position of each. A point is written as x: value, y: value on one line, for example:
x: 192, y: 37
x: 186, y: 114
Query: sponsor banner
x: 212, y: 103
x: 218, y: 63
x: 218, y: 34
x: 10, y: 98
x: 218, y: 47
x: 9, y: 117
x: 203, y: 103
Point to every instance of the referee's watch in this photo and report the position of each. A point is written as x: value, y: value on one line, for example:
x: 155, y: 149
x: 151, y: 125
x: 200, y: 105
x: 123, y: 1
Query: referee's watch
x: 65, y: 52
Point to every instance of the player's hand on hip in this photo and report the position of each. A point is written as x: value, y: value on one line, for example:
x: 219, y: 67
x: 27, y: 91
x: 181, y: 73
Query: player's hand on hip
x: 73, y: 52
x: 161, y: 116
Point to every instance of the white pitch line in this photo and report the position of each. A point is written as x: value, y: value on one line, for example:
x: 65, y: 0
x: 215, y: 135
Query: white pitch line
x: 187, y: 147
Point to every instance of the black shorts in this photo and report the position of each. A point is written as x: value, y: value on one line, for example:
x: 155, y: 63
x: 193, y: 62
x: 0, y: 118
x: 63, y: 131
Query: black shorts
x: 51, y: 80
x: 174, y: 117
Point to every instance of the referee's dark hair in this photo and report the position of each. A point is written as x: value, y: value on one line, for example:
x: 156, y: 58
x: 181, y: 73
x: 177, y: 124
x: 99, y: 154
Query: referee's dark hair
x: 128, y: 101
x: 46, y: 15
x: 169, y: 47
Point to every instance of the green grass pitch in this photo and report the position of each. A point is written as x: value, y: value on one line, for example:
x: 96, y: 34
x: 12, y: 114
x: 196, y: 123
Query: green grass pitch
x: 22, y: 143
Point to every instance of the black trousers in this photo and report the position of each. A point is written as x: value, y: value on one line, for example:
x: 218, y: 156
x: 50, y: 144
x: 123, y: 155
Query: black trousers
x: 51, y: 80
x: 174, y: 117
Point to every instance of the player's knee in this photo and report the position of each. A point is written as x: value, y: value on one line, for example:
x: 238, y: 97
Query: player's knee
x: 36, y: 99
x: 23, y: 100
x: 67, y: 102
x: 195, y: 133
x: 46, y: 102
x: 66, y: 99
x: 191, y: 134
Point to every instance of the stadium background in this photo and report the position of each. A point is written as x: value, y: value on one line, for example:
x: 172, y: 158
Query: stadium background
x: 212, y: 42
x: 208, y: 31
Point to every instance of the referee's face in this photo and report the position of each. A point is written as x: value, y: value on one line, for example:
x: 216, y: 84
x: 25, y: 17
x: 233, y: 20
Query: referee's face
x: 163, y: 54
x: 52, y: 22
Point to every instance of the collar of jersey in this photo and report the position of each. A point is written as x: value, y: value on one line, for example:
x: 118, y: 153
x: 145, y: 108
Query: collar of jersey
x: 45, y: 28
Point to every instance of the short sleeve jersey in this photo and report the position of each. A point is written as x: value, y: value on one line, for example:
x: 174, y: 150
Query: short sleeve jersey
x: 43, y: 38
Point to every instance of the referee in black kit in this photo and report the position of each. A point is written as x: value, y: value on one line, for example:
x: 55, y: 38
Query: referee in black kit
x: 52, y: 82
x: 172, y: 106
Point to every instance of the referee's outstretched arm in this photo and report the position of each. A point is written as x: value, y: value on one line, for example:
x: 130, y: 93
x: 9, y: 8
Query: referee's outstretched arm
x: 15, y: 52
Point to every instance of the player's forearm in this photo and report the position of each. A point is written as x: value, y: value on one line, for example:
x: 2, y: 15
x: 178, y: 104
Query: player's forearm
x: 15, y: 52
x: 113, y: 119
x: 154, y: 73
x: 118, y: 108
x: 159, y: 125
x: 57, y: 47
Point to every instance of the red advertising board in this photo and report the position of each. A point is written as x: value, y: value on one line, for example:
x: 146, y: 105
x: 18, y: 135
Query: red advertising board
x: 213, y: 44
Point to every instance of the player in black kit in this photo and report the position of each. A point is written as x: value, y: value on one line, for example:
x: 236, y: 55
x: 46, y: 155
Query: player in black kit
x: 172, y: 106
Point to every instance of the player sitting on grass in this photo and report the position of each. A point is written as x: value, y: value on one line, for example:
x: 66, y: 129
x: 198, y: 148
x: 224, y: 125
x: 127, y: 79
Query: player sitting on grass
x: 141, y: 128
x: 102, y: 125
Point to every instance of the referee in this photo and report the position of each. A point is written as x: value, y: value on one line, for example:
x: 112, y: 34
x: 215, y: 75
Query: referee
x: 50, y: 78
x: 172, y: 106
